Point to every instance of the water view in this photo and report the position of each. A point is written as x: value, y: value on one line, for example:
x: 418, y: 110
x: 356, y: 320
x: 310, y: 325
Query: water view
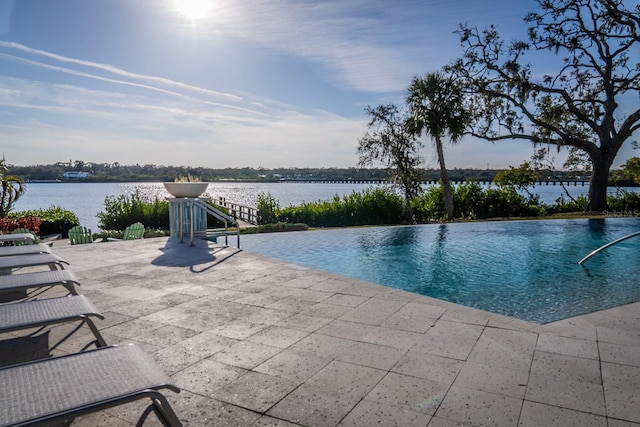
x: 86, y: 200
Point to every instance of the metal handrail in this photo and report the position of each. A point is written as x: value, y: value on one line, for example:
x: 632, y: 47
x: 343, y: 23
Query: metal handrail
x: 601, y: 248
x: 242, y: 212
x: 220, y: 215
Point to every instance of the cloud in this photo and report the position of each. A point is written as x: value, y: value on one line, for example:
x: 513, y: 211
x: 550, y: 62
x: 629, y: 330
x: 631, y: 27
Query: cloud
x: 364, y: 45
x: 291, y: 139
x: 183, y: 125
x: 360, y: 44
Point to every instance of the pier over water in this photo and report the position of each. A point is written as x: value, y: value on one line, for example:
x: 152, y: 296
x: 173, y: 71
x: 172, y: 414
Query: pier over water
x: 566, y: 182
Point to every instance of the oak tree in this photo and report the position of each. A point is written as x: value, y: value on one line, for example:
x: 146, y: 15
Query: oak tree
x: 579, y: 104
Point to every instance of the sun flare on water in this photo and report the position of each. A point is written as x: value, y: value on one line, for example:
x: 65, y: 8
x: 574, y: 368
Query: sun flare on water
x: 194, y: 9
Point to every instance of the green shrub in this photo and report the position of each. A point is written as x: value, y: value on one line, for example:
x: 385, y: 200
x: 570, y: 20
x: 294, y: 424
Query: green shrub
x: 470, y: 201
x: 564, y: 205
x: 373, y: 206
x: 429, y: 206
x: 55, y: 220
x: 507, y: 202
x: 123, y: 210
x: 268, y: 208
x: 275, y: 227
x: 624, y: 201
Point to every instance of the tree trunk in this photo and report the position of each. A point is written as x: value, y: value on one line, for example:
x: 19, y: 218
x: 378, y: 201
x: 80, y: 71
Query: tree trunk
x: 598, y: 183
x: 446, y: 186
x: 408, y: 208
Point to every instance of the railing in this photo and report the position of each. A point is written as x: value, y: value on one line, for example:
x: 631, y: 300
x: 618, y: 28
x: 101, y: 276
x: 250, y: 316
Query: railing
x: 222, y: 217
x: 601, y: 248
x: 241, y: 212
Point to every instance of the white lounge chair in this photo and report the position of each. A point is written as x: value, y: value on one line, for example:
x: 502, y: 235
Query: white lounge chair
x: 18, y: 237
x: 54, y: 390
x: 20, y: 261
x: 44, y: 312
x: 39, y: 279
x: 24, y: 250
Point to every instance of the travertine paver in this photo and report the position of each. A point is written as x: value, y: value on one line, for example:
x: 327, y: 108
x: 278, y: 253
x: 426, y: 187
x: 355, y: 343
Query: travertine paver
x: 436, y: 368
x: 503, y: 348
x: 617, y: 353
x: 622, y: 391
x: 370, y: 413
x: 479, y: 408
x: 540, y: 415
x: 449, y: 339
x: 409, y: 393
x: 492, y: 379
x: 254, y: 341
x: 568, y: 346
x: 567, y: 382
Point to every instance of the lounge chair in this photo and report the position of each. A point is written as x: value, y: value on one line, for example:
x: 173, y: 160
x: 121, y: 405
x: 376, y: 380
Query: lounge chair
x: 17, y: 238
x: 20, y: 261
x: 40, y: 279
x: 80, y: 235
x: 54, y: 390
x: 36, y: 249
x: 25, y: 242
x: 44, y: 312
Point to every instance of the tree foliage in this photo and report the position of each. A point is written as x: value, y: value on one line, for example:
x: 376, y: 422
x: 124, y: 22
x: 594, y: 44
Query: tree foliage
x: 522, y: 177
x: 631, y: 169
x: 11, y: 188
x: 578, y: 105
x: 388, y: 141
x: 436, y: 105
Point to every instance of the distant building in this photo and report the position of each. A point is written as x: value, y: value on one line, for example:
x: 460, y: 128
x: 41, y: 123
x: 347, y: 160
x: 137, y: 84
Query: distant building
x: 74, y: 176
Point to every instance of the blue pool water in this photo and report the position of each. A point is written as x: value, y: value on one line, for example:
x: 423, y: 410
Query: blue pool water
x: 525, y: 269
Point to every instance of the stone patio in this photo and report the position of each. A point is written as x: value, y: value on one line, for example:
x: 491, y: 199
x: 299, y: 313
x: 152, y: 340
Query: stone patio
x: 254, y: 341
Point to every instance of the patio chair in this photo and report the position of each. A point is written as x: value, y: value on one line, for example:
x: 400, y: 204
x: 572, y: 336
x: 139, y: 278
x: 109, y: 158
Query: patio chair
x: 36, y: 249
x: 17, y: 238
x: 80, y: 235
x: 40, y: 279
x: 52, y: 261
x: 44, y: 312
x: 134, y: 231
x: 25, y: 241
x: 57, y: 389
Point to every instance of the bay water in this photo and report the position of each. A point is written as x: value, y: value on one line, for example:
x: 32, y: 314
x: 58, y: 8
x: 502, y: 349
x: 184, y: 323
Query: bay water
x: 86, y: 200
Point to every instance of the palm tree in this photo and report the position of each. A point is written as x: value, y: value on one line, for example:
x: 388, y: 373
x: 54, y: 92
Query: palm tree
x: 436, y: 107
x: 11, y: 188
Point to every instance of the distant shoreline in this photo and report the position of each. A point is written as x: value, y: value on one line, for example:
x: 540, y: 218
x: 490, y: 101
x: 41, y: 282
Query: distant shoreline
x: 567, y: 182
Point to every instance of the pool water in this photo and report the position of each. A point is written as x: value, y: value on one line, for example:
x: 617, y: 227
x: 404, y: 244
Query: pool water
x: 525, y: 269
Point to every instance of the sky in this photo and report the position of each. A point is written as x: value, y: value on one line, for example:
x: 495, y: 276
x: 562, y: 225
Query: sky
x: 228, y: 83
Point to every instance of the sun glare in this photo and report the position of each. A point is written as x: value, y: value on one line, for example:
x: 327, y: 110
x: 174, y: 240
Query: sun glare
x: 194, y: 9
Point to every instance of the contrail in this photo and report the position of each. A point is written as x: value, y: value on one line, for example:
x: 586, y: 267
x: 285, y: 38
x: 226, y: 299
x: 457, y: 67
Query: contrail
x: 115, y: 70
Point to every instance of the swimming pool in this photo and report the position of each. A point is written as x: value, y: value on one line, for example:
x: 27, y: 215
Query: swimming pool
x: 525, y: 269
